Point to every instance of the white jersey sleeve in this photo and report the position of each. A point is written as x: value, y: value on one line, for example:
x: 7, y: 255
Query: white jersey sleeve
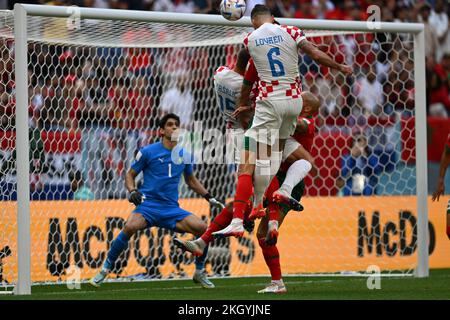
x: 274, y: 50
x: 227, y: 86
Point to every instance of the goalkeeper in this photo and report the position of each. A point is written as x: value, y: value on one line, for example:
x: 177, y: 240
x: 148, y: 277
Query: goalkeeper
x: 157, y: 200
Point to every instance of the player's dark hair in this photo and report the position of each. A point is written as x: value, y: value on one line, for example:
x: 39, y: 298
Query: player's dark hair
x: 260, y: 10
x: 163, y: 120
x: 242, y: 59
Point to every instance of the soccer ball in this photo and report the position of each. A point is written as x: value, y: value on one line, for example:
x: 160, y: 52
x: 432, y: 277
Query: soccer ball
x: 232, y: 9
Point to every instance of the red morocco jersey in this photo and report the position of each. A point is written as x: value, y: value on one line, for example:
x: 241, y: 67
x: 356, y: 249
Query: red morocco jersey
x: 306, y: 139
x: 274, y: 50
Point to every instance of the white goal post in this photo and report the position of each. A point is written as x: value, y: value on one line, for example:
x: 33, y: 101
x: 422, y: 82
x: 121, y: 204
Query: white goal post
x: 21, y: 14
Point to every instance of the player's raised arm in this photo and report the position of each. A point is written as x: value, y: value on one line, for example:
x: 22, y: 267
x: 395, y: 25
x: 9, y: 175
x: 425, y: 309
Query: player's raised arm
x: 197, y: 186
x: 130, y: 178
x: 322, y: 58
x: 244, y: 111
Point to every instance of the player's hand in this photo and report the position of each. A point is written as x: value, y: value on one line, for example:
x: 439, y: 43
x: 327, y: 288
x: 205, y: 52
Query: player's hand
x: 216, y: 203
x: 439, y: 191
x: 136, y: 197
x: 345, y: 69
x: 240, y: 110
x: 249, y: 225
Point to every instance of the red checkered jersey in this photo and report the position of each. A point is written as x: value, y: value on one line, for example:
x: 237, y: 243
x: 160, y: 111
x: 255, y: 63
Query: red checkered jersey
x: 306, y: 139
x: 274, y: 50
x: 227, y: 85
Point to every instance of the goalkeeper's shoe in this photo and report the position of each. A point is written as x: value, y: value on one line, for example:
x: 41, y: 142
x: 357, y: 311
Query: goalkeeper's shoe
x: 200, y: 277
x: 258, y: 212
x: 234, y: 229
x: 274, y: 288
x: 98, y: 279
x: 190, y: 246
x: 272, y: 233
x: 281, y: 196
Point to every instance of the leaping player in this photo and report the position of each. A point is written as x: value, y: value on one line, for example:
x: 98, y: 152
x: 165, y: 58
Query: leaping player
x: 227, y: 83
x: 273, y: 49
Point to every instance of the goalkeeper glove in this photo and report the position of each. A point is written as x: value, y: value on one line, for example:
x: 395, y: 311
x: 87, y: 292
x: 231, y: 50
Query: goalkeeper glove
x: 214, y: 202
x: 135, y: 197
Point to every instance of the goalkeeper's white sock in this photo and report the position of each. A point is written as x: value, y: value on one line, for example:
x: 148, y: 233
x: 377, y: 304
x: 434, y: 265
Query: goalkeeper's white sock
x: 296, y: 173
x: 264, y: 172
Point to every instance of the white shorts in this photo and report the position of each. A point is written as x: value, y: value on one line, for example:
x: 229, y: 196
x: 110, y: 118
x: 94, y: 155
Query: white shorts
x: 274, y: 119
x: 236, y: 139
x: 290, y: 146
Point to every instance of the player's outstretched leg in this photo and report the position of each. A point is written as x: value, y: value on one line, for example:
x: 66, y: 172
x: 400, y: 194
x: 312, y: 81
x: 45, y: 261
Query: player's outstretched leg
x: 197, y: 227
x: 272, y: 225
x: 282, y: 196
x: 200, y: 275
x: 264, y: 173
x: 234, y: 229
x: 135, y: 222
x: 243, y: 193
x: 196, y: 247
x: 117, y: 247
x: 296, y: 173
x: 273, y: 213
x: 272, y: 259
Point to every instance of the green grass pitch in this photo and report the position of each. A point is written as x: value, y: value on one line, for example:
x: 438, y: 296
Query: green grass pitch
x: 436, y: 286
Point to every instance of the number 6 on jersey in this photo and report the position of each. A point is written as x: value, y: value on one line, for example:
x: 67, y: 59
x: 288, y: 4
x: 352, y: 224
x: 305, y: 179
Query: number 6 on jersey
x: 274, y: 62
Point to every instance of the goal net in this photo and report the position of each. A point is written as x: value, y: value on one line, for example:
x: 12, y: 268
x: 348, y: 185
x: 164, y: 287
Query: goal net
x: 96, y: 89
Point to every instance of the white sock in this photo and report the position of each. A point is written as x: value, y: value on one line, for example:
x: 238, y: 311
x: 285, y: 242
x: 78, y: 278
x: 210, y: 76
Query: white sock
x: 201, y: 243
x: 264, y: 172
x: 261, y: 180
x: 296, y: 173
